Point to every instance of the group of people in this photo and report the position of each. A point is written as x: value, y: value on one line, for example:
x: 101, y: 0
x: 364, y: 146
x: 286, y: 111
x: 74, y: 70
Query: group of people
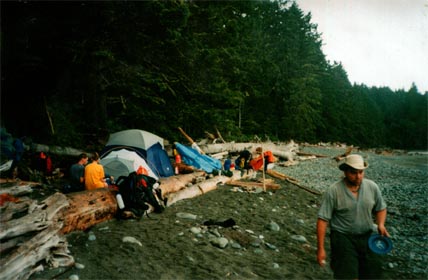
x: 245, y: 160
x: 89, y: 176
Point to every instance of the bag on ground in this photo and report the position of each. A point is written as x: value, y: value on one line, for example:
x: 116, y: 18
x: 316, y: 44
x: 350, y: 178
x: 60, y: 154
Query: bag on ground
x: 138, y: 193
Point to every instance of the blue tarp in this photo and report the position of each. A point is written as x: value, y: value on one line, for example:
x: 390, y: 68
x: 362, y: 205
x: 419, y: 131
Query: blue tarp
x: 159, y: 160
x: 191, y: 157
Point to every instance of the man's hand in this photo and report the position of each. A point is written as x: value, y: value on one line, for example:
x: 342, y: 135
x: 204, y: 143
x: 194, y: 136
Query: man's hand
x: 321, y: 256
x: 382, y: 230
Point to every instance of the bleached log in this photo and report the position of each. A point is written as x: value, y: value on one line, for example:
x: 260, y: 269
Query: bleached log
x: 220, y: 155
x: 38, y: 218
x: 204, y: 187
x: 175, y: 183
x: 310, y: 155
x: 288, y: 155
x: 280, y: 150
x: 17, y: 190
x: 11, y: 243
x: 43, y: 218
x: 21, y: 263
x: 10, y: 208
x: 65, y: 151
x: 216, y: 148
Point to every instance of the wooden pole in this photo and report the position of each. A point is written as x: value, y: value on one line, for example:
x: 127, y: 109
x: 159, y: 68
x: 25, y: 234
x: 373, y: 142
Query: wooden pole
x: 264, y: 175
x: 193, y: 143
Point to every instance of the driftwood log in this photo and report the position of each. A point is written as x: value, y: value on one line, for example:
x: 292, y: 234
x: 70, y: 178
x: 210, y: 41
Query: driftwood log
x: 204, y: 187
x: 295, y: 182
x: 175, y: 183
x: 33, y: 238
x: 284, y: 151
x: 252, y: 185
x: 65, y: 151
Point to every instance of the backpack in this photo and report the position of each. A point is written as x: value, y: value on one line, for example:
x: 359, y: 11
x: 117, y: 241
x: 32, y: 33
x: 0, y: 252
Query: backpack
x: 243, y: 161
x: 137, y: 192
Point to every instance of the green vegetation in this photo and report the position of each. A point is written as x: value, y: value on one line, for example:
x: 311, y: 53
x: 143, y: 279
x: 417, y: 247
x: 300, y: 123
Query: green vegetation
x: 72, y: 72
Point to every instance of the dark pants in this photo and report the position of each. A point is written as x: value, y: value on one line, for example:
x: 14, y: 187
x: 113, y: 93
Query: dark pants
x: 351, y: 257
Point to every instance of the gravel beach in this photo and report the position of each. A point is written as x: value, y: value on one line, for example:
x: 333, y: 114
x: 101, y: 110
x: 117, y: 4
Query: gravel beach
x: 232, y: 233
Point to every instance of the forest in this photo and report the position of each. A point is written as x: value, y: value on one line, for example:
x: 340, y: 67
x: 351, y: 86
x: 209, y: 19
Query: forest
x: 74, y: 71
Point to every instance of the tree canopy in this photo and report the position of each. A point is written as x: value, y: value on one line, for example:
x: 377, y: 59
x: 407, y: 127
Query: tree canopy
x: 73, y: 72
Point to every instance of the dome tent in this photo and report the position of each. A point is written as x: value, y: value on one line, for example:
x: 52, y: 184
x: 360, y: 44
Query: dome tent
x: 139, y: 146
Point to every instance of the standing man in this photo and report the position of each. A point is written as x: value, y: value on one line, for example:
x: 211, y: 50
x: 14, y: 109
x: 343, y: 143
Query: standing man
x: 347, y: 207
x: 77, y: 173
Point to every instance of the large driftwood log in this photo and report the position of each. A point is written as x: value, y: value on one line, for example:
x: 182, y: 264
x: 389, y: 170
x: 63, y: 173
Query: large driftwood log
x: 65, y: 151
x: 175, y: 183
x: 24, y: 261
x: 16, y: 188
x: 89, y: 208
x: 204, y: 187
x: 39, y: 217
x: 285, y: 151
x: 43, y: 219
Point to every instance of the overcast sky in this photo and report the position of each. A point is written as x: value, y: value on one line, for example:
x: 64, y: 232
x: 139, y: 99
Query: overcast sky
x: 379, y: 42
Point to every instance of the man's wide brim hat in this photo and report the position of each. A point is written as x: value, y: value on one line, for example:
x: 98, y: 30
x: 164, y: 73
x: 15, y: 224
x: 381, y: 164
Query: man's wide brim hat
x: 354, y: 161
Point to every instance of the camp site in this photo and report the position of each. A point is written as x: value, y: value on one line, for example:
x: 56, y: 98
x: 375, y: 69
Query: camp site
x: 216, y: 129
x: 199, y: 184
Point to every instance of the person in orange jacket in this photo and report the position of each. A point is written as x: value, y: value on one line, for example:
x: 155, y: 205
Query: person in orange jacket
x: 94, y: 174
x: 257, y: 163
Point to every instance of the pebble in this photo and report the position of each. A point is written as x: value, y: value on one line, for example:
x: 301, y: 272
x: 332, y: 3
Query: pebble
x: 220, y: 242
x: 131, y: 239
x: 79, y: 266
x: 270, y: 246
x: 275, y: 265
x: 235, y: 245
x: 73, y: 277
x: 299, y: 238
x: 183, y: 215
x: 272, y: 226
x: 196, y: 230
x: 92, y: 236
